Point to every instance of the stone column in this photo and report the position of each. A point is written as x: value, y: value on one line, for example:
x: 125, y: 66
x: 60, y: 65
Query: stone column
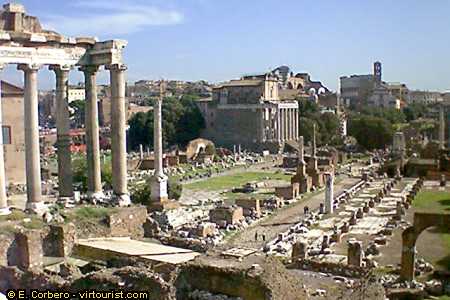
x: 285, y: 124
x: 296, y: 124
x: 278, y: 125
x: 292, y: 125
x: 329, y: 193
x: 4, y: 209
x: 94, y: 179
x: 32, y: 151
x: 63, y: 141
x: 118, y: 134
x: 441, y: 127
x: 159, y: 180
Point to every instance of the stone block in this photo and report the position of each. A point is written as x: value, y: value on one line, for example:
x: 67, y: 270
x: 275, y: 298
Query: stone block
x: 127, y: 221
x: 59, y: 240
x: 6, y: 245
x: 29, y: 249
x: 355, y: 253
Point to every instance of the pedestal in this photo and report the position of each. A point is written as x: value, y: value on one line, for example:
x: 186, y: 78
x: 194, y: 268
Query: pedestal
x: 159, y: 189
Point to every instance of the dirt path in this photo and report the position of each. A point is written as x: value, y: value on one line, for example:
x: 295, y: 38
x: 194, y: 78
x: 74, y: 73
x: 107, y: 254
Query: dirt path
x: 282, y: 219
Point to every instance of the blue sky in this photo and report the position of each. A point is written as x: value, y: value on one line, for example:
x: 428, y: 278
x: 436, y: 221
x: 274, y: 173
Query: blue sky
x: 218, y: 40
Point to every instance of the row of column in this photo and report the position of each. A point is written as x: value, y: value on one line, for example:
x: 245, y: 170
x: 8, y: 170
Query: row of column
x: 287, y: 124
x: 32, y: 151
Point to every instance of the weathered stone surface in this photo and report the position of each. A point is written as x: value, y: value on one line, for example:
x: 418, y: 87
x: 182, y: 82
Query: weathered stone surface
x: 128, y: 221
x: 59, y: 240
x: 6, y: 245
x: 269, y: 280
x: 29, y: 249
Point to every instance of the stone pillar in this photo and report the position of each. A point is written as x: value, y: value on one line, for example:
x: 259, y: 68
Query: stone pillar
x: 408, y: 254
x: 283, y: 138
x: 329, y: 193
x: 63, y: 142
x: 286, y: 123
x: 355, y: 253
x: 159, y: 180
x: 279, y: 137
x: 300, y: 250
x: 32, y: 151
x: 4, y: 209
x: 441, y: 127
x: 288, y: 127
x: 118, y: 134
x: 293, y: 124
x: 94, y: 179
x: 141, y: 152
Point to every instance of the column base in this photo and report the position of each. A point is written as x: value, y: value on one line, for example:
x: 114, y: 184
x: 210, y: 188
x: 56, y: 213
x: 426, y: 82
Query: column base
x: 96, y: 197
x: 5, y: 211
x: 122, y: 200
x: 38, y: 208
x: 67, y: 202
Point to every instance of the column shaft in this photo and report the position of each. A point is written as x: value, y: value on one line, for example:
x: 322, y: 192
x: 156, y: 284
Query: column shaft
x: 65, y: 181
x: 4, y: 209
x: 32, y: 151
x: 92, y: 133
x: 118, y: 130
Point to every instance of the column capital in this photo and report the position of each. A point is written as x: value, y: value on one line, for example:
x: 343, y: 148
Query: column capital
x: 59, y: 68
x: 28, y: 67
x: 116, y: 67
x: 89, y: 69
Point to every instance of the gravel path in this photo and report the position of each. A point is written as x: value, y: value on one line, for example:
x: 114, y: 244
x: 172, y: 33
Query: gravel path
x: 282, y: 219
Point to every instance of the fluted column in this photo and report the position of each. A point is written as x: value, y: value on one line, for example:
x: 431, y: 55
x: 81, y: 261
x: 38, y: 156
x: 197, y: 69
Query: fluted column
x: 278, y: 125
x: 94, y: 178
x: 4, y: 209
x: 286, y: 126
x: 118, y: 134
x: 291, y: 128
x: 63, y: 142
x: 297, y: 124
x: 32, y: 152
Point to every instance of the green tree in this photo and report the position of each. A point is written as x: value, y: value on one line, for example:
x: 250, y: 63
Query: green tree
x: 182, y: 122
x: 371, y: 132
x: 78, y: 107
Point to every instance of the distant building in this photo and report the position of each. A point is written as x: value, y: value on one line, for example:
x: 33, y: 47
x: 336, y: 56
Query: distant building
x: 356, y: 89
x: 370, y: 90
x: 381, y: 97
x: 249, y: 112
x: 13, y: 132
x: 425, y: 97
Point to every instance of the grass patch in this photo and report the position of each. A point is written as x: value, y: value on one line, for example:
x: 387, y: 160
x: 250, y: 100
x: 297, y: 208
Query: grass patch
x: 35, y: 223
x: 90, y: 213
x: 234, y: 180
x: 436, y: 201
x: 15, y: 215
x: 432, y: 201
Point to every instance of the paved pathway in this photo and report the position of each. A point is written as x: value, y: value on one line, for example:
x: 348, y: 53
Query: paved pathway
x: 282, y: 219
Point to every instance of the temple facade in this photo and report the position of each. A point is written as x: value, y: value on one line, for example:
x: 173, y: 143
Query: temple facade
x: 249, y: 112
x: 24, y: 43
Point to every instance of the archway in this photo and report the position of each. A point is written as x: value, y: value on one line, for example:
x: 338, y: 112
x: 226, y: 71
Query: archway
x: 422, y: 221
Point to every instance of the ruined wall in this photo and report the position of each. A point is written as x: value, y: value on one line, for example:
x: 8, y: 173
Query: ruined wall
x: 234, y: 126
x: 13, y: 116
x: 264, y: 281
